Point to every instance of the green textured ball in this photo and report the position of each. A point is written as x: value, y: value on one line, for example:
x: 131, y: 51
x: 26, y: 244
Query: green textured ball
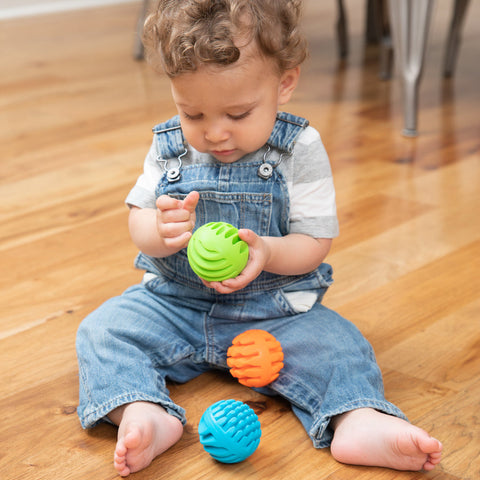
x: 216, y: 252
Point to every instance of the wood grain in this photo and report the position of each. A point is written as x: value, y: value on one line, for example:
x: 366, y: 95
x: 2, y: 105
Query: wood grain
x: 75, y: 117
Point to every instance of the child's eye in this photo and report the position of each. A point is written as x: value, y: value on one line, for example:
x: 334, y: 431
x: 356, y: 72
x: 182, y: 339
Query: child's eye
x: 241, y: 116
x: 192, y: 117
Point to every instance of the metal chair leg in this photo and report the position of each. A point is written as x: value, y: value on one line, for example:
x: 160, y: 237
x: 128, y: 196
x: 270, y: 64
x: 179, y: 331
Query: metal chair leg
x: 379, y: 27
x: 342, y: 34
x: 138, y: 51
x: 453, y: 42
x: 410, y: 20
x: 372, y: 23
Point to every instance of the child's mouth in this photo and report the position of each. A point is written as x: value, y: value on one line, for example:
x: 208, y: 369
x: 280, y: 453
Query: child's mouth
x: 223, y: 153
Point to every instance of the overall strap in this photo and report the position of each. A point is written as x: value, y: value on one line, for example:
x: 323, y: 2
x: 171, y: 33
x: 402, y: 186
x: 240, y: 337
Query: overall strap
x: 286, y: 130
x: 171, y: 143
x: 169, y: 139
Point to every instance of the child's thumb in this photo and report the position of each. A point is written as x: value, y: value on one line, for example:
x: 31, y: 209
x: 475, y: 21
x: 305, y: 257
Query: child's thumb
x: 247, y: 235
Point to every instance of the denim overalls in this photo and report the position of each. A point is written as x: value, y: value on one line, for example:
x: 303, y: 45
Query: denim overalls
x: 172, y: 327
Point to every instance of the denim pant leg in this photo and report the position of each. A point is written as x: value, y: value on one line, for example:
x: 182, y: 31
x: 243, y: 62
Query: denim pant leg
x: 126, y: 349
x: 329, y: 369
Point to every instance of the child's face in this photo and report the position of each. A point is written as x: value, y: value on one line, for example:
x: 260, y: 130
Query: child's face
x: 230, y: 111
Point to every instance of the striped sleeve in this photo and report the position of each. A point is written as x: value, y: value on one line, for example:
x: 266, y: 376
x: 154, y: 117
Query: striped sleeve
x: 310, y: 187
x: 142, y: 194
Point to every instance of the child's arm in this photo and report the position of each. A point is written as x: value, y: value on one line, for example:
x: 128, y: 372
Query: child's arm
x: 293, y: 254
x: 165, y: 230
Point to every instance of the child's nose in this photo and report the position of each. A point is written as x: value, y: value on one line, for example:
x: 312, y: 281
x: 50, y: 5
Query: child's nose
x: 216, y: 133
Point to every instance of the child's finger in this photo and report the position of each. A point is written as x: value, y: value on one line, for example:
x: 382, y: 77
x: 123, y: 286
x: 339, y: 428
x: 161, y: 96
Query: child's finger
x: 178, y: 242
x: 164, y: 202
x: 171, y: 225
x: 174, y: 215
x: 191, y: 200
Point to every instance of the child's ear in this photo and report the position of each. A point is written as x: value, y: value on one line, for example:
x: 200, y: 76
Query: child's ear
x: 288, y: 83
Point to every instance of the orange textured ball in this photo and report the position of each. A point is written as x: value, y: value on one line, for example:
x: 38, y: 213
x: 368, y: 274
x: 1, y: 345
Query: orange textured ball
x: 255, y: 358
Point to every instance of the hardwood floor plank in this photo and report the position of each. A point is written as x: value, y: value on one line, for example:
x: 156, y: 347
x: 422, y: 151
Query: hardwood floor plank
x: 370, y: 216
x: 76, y: 113
x: 420, y: 398
x: 393, y: 312
x: 37, y: 222
x: 452, y: 197
x: 445, y: 353
x: 457, y: 423
x: 55, y: 280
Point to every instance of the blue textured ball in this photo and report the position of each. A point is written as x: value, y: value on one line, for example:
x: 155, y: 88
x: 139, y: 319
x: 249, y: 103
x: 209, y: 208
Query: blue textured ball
x: 229, y: 431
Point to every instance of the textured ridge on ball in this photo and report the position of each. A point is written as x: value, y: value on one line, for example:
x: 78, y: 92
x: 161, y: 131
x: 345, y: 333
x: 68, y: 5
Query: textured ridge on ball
x: 216, y: 252
x: 229, y: 431
x: 255, y: 358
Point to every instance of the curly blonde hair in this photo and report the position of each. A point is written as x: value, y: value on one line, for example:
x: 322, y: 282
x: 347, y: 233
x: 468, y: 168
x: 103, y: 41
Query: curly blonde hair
x: 182, y: 35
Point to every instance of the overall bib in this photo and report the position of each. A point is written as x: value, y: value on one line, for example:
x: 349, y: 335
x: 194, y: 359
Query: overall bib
x: 171, y: 327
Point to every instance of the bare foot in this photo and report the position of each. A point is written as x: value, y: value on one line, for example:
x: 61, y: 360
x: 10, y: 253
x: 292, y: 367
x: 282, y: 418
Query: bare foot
x: 368, y: 437
x: 145, y: 430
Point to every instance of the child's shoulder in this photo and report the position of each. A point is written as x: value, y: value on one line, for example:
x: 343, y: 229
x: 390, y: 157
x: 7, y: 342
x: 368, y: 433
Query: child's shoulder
x: 309, y: 147
x: 309, y: 135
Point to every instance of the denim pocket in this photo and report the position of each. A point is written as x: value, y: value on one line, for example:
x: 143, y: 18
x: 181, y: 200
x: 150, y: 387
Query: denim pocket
x: 308, y: 290
x: 301, y: 302
x: 242, y: 210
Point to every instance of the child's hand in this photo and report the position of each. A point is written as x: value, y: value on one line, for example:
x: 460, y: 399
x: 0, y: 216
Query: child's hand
x: 176, y: 220
x: 258, y: 254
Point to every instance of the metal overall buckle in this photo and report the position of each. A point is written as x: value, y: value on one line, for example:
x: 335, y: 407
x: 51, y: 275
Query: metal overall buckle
x: 265, y: 170
x: 173, y: 173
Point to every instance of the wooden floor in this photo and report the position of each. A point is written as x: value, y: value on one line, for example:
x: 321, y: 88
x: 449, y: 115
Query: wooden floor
x: 75, y: 119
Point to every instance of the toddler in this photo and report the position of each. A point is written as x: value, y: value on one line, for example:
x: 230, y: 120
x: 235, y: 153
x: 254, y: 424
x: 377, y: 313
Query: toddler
x: 230, y: 155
